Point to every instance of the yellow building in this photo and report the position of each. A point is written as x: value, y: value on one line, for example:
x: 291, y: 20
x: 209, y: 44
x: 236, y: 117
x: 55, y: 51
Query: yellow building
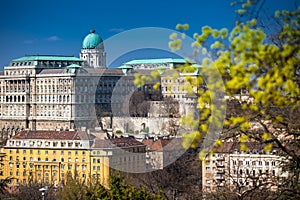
x: 124, y: 154
x: 49, y: 157
x: 46, y: 157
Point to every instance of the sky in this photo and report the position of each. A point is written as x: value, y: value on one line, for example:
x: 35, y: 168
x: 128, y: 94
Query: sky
x: 57, y: 27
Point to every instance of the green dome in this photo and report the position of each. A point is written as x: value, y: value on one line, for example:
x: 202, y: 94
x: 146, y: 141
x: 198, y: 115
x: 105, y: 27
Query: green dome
x: 91, y: 40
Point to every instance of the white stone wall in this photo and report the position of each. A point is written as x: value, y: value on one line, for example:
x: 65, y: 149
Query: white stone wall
x: 156, y: 125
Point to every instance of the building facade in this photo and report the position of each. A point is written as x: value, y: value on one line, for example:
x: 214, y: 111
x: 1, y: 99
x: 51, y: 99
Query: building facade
x: 51, y: 157
x: 229, y: 167
x: 50, y: 92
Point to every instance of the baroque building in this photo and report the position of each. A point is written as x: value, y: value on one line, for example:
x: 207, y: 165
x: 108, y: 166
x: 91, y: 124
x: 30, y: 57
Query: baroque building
x: 238, y: 170
x: 51, y: 157
x: 52, y: 92
x: 92, y: 51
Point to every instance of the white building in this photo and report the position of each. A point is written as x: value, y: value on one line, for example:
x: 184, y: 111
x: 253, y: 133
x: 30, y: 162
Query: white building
x: 230, y: 167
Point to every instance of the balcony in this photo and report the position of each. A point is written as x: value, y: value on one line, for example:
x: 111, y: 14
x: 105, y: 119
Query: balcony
x: 220, y: 177
x: 220, y: 164
x: 220, y: 171
x: 220, y: 158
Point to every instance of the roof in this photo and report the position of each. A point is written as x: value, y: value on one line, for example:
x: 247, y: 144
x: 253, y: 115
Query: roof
x: 154, y: 145
x: 231, y: 147
x: 91, y: 41
x: 50, y: 135
x: 52, y: 71
x: 110, y: 71
x: 48, y: 58
x: 154, y: 61
x: 122, y: 142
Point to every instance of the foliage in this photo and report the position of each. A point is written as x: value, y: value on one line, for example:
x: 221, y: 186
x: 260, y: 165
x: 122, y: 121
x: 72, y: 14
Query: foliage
x: 119, y: 132
x: 118, y: 189
x: 73, y: 190
x: 179, y: 180
x: 4, y: 184
x: 261, y: 77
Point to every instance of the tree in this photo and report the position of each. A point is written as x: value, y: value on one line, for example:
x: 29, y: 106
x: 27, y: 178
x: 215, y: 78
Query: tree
x: 256, y: 73
x: 262, y: 84
x: 4, y: 184
x: 170, y: 110
x: 179, y: 180
x: 138, y: 106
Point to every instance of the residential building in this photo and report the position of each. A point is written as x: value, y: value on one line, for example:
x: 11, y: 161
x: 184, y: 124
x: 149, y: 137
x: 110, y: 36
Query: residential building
x: 230, y: 167
x: 51, y: 157
x: 160, y: 152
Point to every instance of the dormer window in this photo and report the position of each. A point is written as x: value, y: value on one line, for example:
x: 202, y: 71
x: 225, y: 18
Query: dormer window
x: 70, y: 144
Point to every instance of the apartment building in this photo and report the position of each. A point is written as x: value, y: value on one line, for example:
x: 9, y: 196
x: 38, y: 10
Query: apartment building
x: 50, y: 157
x: 227, y: 166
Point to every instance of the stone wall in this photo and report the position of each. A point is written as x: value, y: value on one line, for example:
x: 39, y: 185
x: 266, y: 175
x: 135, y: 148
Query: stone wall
x: 153, y: 125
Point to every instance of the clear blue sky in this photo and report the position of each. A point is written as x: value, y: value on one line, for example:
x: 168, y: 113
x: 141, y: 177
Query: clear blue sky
x: 59, y: 26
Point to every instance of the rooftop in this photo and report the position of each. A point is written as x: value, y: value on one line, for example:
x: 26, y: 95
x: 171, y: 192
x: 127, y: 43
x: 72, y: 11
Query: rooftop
x: 47, y: 58
x: 155, y: 145
x: 156, y: 61
x: 122, y: 142
x: 48, y: 135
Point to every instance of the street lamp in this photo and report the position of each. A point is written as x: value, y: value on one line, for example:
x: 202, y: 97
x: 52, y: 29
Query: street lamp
x: 43, y: 190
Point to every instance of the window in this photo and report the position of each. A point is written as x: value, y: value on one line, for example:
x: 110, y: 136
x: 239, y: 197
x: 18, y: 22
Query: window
x: 273, y: 163
x: 267, y: 163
